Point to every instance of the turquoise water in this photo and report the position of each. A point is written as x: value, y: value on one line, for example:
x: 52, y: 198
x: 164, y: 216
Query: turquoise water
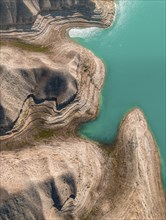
x: 133, y: 50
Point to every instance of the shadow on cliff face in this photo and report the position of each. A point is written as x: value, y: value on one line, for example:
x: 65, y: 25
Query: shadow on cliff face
x: 23, y: 205
x: 16, y: 13
x: 48, y: 84
x: 51, y: 190
x: 69, y: 179
x: 54, y: 85
x: 5, y: 123
x: 27, y: 204
x: 44, y: 84
x: 54, y: 190
x: 84, y: 7
x: 13, y: 12
x: 68, y: 7
x: 2, y: 119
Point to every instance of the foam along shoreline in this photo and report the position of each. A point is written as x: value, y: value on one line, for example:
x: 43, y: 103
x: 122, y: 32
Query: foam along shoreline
x: 83, y: 32
x: 51, y: 31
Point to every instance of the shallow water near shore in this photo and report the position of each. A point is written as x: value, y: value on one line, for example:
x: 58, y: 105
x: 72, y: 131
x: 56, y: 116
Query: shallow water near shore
x: 133, y: 50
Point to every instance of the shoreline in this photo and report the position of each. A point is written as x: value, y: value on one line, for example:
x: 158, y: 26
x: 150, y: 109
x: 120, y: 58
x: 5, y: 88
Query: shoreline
x: 63, y: 35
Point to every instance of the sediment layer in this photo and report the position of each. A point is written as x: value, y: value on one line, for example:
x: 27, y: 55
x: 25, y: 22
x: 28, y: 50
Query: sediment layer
x: 57, y: 180
x: 133, y: 183
x: 71, y: 178
x: 73, y: 72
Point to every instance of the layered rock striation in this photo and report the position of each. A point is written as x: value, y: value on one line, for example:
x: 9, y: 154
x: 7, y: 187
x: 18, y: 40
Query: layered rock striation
x: 133, y: 182
x: 49, y: 89
x: 71, y: 178
x: 57, y: 180
x: 49, y: 85
x: 22, y: 12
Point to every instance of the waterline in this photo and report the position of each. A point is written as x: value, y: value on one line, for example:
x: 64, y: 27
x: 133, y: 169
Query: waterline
x: 133, y: 51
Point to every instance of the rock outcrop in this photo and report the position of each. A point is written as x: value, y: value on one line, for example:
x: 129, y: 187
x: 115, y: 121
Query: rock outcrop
x: 25, y: 11
x: 70, y: 178
x: 46, y: 91
x: 133, y: 182
x: 57, y: 180
x: 51, y: 89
